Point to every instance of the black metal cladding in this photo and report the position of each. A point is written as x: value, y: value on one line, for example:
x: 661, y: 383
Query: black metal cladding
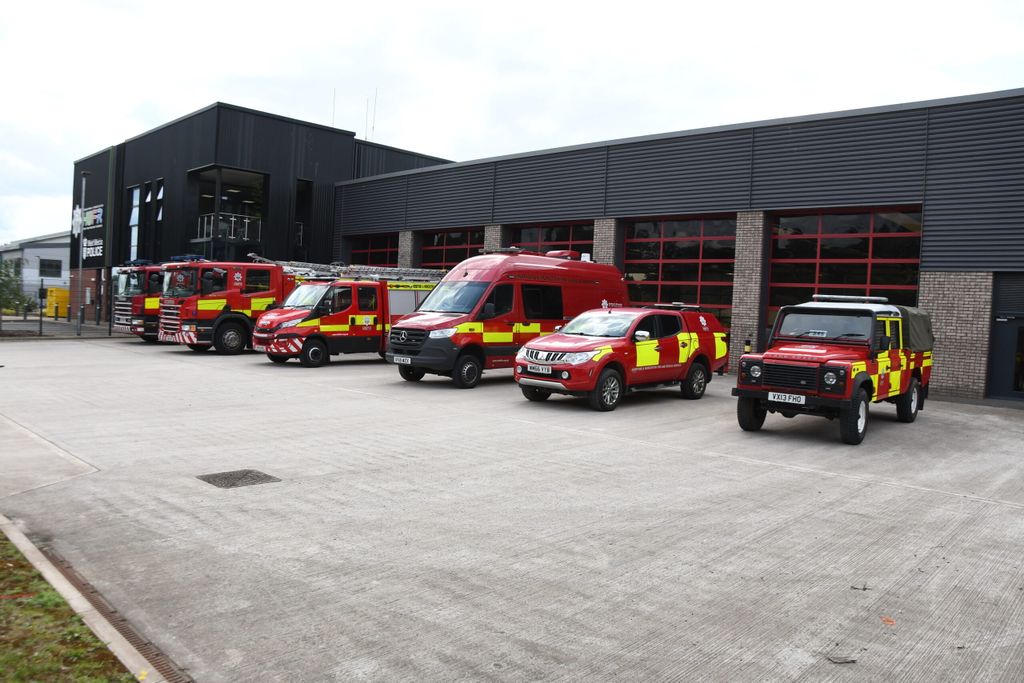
x: 377, y: 206
x: 451, y: 197
x: 1009, y: 294
x: 554, y: 187
x: 974, y: 205
x: 863, y: 160
x: 682, y: 175
x: 373, y: 159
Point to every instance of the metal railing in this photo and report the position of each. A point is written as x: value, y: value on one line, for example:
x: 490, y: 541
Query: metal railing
x: 229, y: 226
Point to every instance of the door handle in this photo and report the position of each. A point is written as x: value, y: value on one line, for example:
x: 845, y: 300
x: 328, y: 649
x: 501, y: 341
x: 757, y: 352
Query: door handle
x: 658, y: 347
x: 682, y: 345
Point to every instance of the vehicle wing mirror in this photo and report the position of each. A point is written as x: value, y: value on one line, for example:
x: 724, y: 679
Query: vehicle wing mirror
x: 884, y: 342
x: 558, y: 328
x: 641, y: 335
x: 488, y: 311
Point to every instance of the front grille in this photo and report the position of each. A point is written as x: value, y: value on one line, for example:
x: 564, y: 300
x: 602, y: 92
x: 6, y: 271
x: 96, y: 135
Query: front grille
x: 791, y: 376
x: 404, y: 338
x: 545, y: 357
x: 170, y: 319
x: 123, y: 312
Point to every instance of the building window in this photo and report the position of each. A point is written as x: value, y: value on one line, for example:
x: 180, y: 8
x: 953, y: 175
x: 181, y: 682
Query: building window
x: 378, y: 250
x: 446, y: 248
x: 133, y: 222
x: 543, y: 238
x: 17, y: 267
x: 863, y: 253
x: 50, y: 267
x: 688, y: 260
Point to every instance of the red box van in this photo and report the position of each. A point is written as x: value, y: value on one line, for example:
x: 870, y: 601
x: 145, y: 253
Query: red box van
x: 488, y: 306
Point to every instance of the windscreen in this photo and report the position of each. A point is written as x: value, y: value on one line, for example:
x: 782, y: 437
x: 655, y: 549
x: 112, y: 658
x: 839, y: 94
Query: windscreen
x: 454, y: 297
x: 600, y: 324
x: 131, y: 283
x: 305, y: 296
x: 825, y: 325
x: 180, y: 282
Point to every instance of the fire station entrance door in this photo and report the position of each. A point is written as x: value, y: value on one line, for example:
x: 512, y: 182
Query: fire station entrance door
x: 1006, y: 371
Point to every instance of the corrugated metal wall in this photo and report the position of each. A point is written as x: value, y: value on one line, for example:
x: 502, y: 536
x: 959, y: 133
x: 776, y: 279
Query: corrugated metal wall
x: 372, y: 159
x: 964, y: 161
x: 1008, y: 294
x: 974, y: 203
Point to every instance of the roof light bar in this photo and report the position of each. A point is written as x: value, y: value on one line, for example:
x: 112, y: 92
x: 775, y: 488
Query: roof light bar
x: 851, y: 299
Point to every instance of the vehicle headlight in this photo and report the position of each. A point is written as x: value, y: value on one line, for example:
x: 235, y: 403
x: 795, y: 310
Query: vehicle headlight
x: 187, y: 328
x: 755, y: 371
x: 136, y: 321
x: 443, y: 333
x: 579, y: 358
x: 521, y: 353
x: 290, y: 323
x: 830, y: 378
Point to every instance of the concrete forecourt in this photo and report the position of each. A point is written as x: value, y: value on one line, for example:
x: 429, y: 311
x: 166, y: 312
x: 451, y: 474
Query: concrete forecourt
x: 422, y: 532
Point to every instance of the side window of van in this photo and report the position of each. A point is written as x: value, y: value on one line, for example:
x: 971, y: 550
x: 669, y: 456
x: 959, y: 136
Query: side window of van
x: 367, y: 298
x: 342, y: 299
x: 670, y: 325
x: 542, y: 301
x: 501, y: 297
x: 257, y: 280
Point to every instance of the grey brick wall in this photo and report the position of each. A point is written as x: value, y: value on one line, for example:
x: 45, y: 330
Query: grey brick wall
x: 496, y: 236
x: 960, y: 305
x: 609, y: 241
x: 410, y: 249
x: 747, y: 287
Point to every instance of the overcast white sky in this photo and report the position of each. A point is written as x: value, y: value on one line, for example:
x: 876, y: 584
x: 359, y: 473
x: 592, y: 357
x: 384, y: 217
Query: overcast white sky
x: 465, y: 80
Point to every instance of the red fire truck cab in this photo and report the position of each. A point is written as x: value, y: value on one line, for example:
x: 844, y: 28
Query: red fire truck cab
x: 835, y: 356
x: 603, y: 353
x: 321, y: 319
x: 137, y: 291
x: 215, y: 303
x: 488, y: 306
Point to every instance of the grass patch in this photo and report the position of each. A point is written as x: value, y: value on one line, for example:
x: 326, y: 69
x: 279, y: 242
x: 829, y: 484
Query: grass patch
x: 41, y: 638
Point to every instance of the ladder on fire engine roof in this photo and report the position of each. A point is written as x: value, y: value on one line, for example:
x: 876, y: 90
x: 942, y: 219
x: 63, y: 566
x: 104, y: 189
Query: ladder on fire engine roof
x: 339, y: 271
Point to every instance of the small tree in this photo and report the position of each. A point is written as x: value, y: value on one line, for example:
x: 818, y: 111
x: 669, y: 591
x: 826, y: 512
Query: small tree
x: 11, y: 293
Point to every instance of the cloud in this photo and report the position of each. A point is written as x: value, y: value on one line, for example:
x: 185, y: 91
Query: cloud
x: 467, y: 80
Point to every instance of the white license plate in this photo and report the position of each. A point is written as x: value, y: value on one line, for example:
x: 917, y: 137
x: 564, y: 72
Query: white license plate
x: 539, y: 369
x: 259, y: 347
x: 786, y: 398
x: 402, y: 360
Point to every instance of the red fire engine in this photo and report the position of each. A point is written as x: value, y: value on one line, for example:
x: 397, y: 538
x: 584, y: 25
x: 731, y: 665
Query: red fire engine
x: 215, y: 303
x: 488, y: 306
x: 351, y: 314
x: 603, y: 353
x: 833, y: 357
x: 137, y: 300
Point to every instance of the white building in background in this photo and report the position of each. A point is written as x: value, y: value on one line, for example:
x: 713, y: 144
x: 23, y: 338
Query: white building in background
x: 44, y: 258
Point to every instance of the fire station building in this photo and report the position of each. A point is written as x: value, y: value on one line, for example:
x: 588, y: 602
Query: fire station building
x: 922, y: 203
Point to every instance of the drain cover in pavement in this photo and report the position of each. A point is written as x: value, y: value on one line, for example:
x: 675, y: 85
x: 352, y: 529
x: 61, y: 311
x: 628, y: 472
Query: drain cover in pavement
x: 236, y: 478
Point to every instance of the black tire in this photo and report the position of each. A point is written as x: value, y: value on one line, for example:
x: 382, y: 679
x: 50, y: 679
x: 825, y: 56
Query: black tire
x: 467, y: 371
x: 608, y: 391
x: 853, y: 421
x: 696, y: 382
x: 909, y: 403
x: 149, y: 338
x: 750, y: 414
x: 230, y: 339
x: 314, y: 354
x: 199, y: 347
x: 274, y: 358
x: 411, y: 374
x: 535, y: 394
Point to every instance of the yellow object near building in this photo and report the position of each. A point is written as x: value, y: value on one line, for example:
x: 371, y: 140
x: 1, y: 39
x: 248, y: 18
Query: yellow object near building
x: 58, y: 296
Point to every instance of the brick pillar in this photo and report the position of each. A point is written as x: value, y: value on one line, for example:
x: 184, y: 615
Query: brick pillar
x: 496, y: 236
x: 609, y: 241
x: 410, y: 249
x: 960, y: 305
x: 748, y: 283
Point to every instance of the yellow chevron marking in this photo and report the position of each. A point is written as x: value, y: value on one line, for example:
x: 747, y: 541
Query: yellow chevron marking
x: 262, y: 303
x: 309, y: 323
x: 211, y: 304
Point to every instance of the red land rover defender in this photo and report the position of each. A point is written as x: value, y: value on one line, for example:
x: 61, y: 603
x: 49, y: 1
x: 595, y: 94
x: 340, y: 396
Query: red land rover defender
x: 835, y: 356
x: 488, y: 306
x: 606, y: 352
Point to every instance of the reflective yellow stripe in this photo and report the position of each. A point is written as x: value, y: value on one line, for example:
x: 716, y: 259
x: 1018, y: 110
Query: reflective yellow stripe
x: 470, y: 328
x: 309, y: 323
x: 533, y: 328
x: 497, y: 337
x: 262, y: 303
x: 721, y: 348
x: 334, y: 328
x: 244, y: 311
x: 152, y: 302
x: 211, y: 304
x: 602, y: 352
x: 646, y: 354
x: 692, y: 342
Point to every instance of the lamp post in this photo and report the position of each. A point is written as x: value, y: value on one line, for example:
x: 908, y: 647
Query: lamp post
x: 81, y: 257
